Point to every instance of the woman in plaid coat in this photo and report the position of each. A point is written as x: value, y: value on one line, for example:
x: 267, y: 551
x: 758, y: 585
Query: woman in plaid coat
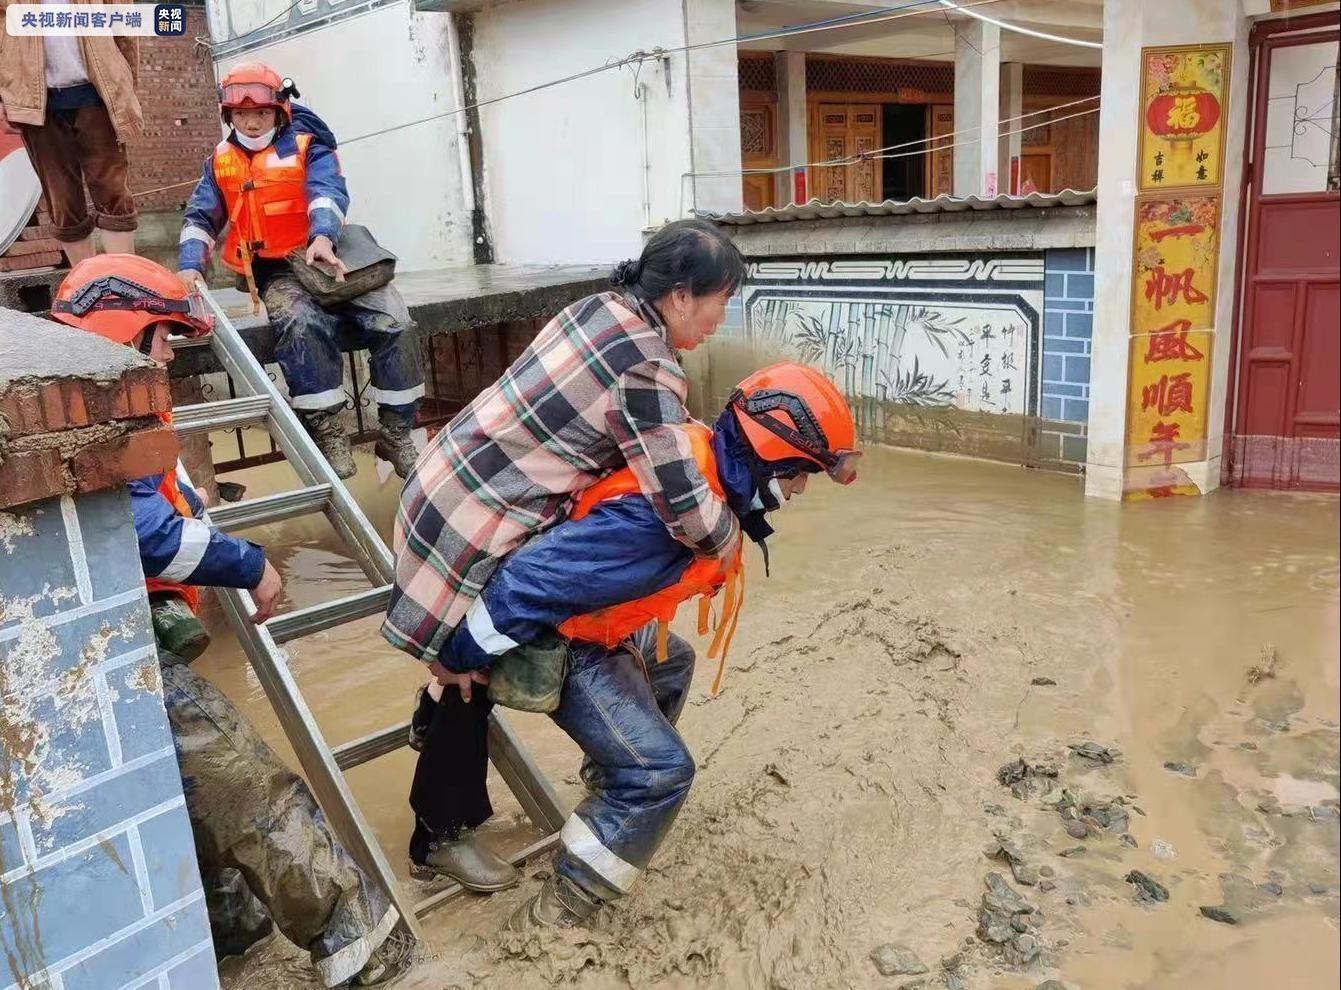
x: 599, y: 389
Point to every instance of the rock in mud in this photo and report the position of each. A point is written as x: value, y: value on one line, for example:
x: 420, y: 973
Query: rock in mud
x: 1177, y: 766
x: 1046, y: 886
x: 1043, y: 682
x: 1077, y: 829
x: 1094, y: 752
x: 1022, y: 950
x: 1101, y: 814
x: 1072, y: 851
x: 1000, y: 907
x: 1025, y: 778
x: 1163, y: 850
x: 1220, y: 913
x: 1008, y: 849
x: 1051, y: 985
x: 897, y: 960
x: 1147, y: 887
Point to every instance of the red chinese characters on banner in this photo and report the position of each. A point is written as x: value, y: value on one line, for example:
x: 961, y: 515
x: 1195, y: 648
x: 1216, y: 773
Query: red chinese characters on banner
x: 1170, y: 390
x: 1162, y: 287
x: 1171, y: 344
x: 1169, y: 395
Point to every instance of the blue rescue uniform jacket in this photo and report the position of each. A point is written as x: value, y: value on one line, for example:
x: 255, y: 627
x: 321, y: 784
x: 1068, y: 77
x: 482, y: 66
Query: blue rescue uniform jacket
x: 175, y: 548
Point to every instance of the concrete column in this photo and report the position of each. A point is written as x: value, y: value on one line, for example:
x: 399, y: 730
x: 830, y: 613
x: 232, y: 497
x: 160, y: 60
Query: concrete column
x: 1130, y: 25
x: 977, y: 82
x: 1012, y: 106
x: 714, y: 107
x: 793, y: 141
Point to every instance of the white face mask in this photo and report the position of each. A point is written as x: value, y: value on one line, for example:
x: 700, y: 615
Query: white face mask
x: 255, y: 143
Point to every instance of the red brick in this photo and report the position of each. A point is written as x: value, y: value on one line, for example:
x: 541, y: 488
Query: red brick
x: 72, y: 403
x: 31, y: 477
x: 105, y: 465
x: 38, y: 232
x: 22, y: 248
x: 30, y: 261
x: 76, y: 409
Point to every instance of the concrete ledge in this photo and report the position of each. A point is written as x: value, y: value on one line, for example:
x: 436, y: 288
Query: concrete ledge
x: 441, y: 301
x: 77, y: 413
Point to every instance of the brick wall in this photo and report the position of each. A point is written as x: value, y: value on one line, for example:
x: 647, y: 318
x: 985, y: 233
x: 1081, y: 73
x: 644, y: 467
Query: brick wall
x: 1068, y: 323
x: 181, y: 115
x: 97, y: 867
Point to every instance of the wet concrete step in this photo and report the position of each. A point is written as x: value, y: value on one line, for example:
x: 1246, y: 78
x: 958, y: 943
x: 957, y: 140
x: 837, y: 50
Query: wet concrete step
x: 306, y: 621
x: 204, y: 417
x: 270, y: 508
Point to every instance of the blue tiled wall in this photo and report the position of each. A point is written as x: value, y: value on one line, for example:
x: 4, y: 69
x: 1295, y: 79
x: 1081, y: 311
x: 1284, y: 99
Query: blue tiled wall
x: 1068, y: 325
x: 96, y: 856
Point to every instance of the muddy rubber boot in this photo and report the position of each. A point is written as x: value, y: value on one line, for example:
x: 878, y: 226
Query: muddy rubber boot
x: 463, y: 859
x: 422, y: 718
x: 388, y: 962
x: 394, y: 443
x: 560, y: 904
x: 329, y: 436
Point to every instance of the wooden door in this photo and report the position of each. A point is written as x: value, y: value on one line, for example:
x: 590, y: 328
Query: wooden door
x: 758, y: 149
x: 1287, y: 412
x: 1036, y: 172
x: 841, y: 132
x: 941, y: 157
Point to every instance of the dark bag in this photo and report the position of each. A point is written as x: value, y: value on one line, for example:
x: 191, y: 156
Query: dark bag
x: 530, y: 677
x: 371, y: 266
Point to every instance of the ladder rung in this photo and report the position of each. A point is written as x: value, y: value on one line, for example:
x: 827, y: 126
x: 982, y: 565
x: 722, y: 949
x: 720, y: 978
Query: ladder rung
x: 360, y: 751
x: 516, y: 859
x: 203, y: 417
x: 270, y: 508
x: 306, y: 621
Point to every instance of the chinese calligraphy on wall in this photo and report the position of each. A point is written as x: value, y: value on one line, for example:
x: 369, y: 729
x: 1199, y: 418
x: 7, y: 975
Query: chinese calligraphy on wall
x: 935, y: 332
x: 1175, y: 260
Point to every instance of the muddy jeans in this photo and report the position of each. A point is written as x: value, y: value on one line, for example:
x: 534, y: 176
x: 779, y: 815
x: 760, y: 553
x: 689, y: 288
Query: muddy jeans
x: 637, y: 768
x: 309, y: 340
x: 250, y: 813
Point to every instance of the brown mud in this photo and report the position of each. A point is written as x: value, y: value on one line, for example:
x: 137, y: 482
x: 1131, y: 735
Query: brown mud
x: 922, y: 629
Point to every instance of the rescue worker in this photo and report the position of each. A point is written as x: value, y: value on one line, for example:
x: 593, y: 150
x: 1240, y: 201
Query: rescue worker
x: 273, y: 186
x: 609, y: 580
x: 250, y: 814
x: 600, y: 388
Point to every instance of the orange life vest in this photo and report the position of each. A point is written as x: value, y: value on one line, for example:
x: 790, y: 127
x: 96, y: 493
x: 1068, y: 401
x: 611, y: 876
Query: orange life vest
x: 703, y: 578
x: 266, y: 198
x: 172, y: 492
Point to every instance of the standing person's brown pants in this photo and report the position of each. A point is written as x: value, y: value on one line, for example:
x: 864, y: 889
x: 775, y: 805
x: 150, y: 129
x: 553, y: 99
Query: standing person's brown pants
x: 75, y: 147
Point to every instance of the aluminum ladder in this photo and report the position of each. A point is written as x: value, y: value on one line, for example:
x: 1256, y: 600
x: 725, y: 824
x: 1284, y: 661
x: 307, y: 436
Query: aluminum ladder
x: 259, y: 403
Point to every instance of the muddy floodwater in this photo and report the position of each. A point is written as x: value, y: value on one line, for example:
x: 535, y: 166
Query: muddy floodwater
x: 896, y: 725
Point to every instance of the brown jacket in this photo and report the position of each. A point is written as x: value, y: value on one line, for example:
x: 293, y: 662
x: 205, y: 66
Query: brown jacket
x: 113, y: 68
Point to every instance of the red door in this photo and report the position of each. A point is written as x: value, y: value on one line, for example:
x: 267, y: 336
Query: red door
x: 1286, y: 428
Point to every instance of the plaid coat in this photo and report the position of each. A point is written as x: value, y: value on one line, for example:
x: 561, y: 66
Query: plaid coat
x: 599, y: 388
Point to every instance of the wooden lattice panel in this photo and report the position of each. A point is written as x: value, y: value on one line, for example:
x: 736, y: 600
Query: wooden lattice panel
x: 1057, y: 80
x: 756, y: 73
x: 841, y: 75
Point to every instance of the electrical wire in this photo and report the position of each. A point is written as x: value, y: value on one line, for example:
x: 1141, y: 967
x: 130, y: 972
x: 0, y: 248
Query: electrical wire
x: 905, y: 154
x: 247, y: 34
x: 875, y: 153
x: 877, y: 15
x: 1016, y: 29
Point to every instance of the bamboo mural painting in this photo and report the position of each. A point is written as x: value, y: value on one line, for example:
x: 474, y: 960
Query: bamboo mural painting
x: 952, y: 334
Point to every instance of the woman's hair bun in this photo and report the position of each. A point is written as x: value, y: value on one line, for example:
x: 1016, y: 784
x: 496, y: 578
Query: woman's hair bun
x: 625, y: 273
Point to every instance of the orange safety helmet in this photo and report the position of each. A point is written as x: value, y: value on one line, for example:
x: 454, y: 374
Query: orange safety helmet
x: 251, y: 84
x: 119, y: 295
x: 789, y: 411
